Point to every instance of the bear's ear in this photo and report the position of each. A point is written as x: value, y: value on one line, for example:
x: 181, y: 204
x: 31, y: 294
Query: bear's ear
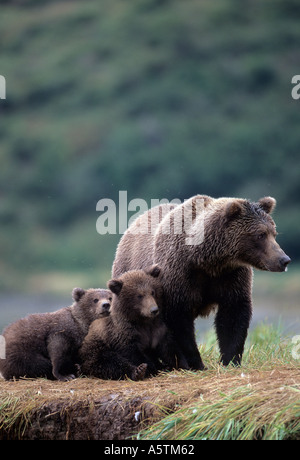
x: 115, y: 286
x: 77, y: 293
x: 233, y: 209
x: 153, y: 271
x: 267, y: 204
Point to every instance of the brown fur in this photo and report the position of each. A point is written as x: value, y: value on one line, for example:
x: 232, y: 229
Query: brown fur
x: 214, y: 273
x: 46, y: 345
x: 133, y: 338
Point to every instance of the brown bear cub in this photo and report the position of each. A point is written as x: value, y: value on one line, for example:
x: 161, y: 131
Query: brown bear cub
x: 133, y: 339
x: 47, y: 344
x: 206, y: 249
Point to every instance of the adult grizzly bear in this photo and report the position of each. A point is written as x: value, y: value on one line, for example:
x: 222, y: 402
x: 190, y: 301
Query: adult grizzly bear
x: 46, y: 344
x: 133, y: 339
x: 206, y: 249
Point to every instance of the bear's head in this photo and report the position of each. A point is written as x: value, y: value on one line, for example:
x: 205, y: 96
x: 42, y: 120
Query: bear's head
x: 253, y: 234
x: 92, y: 303
x: 136, y: 294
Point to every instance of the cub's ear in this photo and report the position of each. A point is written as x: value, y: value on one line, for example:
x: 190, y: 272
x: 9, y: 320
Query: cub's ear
x: 115, y: 286
x: 77, y: 293
x: 267, y: 204
x: 234, y: 209
x: 153, y: 271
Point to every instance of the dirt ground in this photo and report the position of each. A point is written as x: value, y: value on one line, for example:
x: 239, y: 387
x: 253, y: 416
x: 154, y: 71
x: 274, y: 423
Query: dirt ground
x: 98, y: 409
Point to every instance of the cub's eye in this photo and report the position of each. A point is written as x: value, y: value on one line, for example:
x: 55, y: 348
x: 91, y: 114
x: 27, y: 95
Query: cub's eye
x: 152, y: 293
x: 96, y: 300
x: 140, y: 296
x: 110, y: 299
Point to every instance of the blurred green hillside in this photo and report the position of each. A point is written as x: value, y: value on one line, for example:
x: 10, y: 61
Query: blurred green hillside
x: 161, y: 98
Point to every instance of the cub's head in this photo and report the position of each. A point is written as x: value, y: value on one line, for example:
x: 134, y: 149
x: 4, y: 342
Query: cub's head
x: 137, y: 294
x: 94, y: 303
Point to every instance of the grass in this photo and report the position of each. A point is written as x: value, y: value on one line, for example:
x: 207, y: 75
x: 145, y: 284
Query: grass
x: 260, y: 400
x: 244, y: 414
x: 14, y: 413
x: 266, y: 347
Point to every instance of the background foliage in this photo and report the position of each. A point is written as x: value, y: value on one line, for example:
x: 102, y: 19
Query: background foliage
x: 164, y: 99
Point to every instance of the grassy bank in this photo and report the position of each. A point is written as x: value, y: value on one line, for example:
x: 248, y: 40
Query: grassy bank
x: 259, y: 400
x: 261, y: 407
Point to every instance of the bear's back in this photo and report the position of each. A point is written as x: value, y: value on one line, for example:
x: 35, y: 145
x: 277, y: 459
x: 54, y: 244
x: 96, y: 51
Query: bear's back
x: 135, y: 249
x: 36, y: 328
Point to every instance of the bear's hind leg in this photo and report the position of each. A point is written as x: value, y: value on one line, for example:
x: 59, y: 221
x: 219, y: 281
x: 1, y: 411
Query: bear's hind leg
x: 60, y: 353
x: 110, y: 365
x: 34, y: 366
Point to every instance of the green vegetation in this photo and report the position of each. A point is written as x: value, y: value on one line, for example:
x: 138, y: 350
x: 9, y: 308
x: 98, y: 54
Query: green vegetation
x: 253, y: 403
x: 245, y: 414
x: 162, y: 99
x: 266, y: 348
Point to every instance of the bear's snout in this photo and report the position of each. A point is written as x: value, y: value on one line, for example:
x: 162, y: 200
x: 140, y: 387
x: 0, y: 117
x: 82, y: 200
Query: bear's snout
x: 106, y: 306
x: 273, y: 257
x: 154, y: 310
x: 279, y: 263
x: 283, y: 262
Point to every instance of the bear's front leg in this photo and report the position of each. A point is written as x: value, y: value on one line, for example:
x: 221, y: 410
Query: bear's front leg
x: 186, y: 351
x: 232, y: 323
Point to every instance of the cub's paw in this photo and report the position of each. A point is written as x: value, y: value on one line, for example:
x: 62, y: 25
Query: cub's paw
x: 139, y: 372
x: 66, y: 378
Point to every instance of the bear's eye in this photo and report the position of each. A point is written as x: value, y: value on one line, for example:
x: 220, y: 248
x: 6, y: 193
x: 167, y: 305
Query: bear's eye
x: 96, y: 300
x: 140, y: 296
x: 110, y: 299
x: 261, y: 236
x: 152, y: 293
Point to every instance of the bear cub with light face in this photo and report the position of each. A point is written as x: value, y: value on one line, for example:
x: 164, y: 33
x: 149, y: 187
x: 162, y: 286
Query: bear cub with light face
x: 47, y: 344
x: 133, y: 341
